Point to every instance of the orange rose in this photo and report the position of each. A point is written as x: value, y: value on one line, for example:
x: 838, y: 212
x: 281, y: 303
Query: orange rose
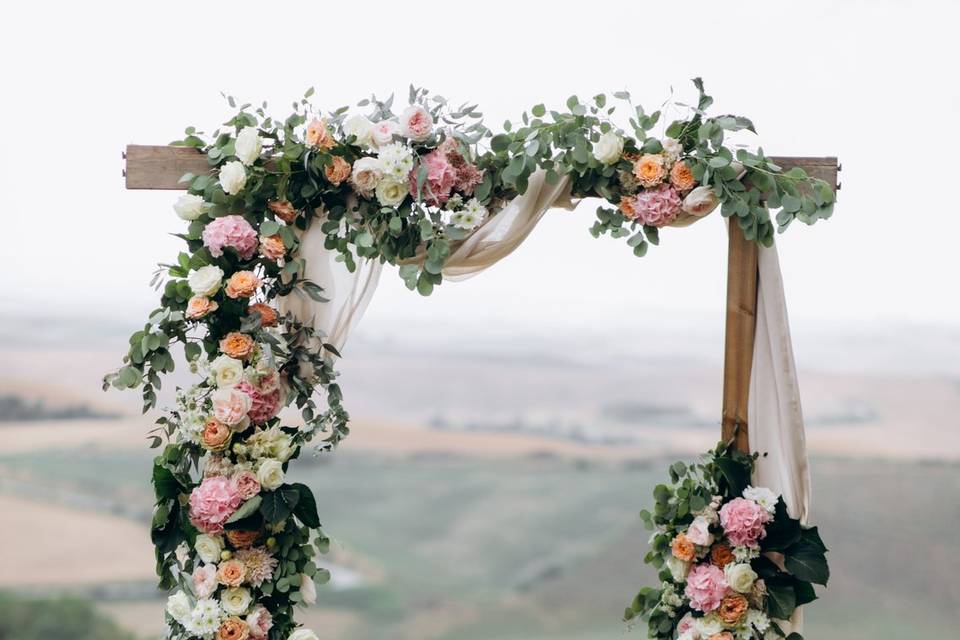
x: 681, y: 177
x: 318, y: 135
x: 200, y: 306
x: 732, y: 609
x: 233, y: 628
x: 628, y: 207
x: 720, y: 555
x: 272, y: 247
x: 723, y: 635
x: 650, y: 170
x: 683, y: 548
x: 215, y: 435
x: 283, y: 210
x: 237, y: 345
x: 338, y: 171
x: 268, y: 317
x: 242, y: 539
x: 231, y: 573
x: 242, y: 284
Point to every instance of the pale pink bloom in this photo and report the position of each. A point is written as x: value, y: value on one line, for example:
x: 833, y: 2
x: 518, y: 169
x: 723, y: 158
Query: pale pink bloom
x: 441, y: 176
x: 699, y: 532
x: 231, y: 405
x: 212, y: 503
x: 658, y: 206
x: 260, y: 622
x: 259, y: 564
x: 247, y: 484
x: 230, y: 231
x: 416, y: 123
x: 383, y: 132
x: 205, y: 580
x: 263, y: 406
x: 687, y: 623
x: 706, y: 587
x: 743, y: 522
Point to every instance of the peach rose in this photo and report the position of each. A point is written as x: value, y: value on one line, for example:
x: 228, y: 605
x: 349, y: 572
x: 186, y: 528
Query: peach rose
x: 628, y: 207
x: 650, y: 170
x: 318, y: 135
x: 283, y: 210
x: 231, y: 573
x: 681, y: 177
x: 732, y: 609
x: 200, y: 306
x: 237, y: 345
x: 215, y: 435
x: 338, y: 171
x: 720, y: 555
x: 683, y: 548
x: 242, y: 539
x: 233, y: 628
x: 268, y: 317
x: 723, y: 635
x: 242, y: 284
x: 272, y: 247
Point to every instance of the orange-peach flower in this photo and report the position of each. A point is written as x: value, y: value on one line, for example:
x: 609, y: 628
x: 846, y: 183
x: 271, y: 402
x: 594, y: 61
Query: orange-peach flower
x: 683, y: 548
x: 237, y: 345
x: 215, y: 435
x: 337, y: 171
x: 231, y: 573
x: 723, y: 635
x: 272, y: 247
x: 233, y: 628
x: 268, y: 317
x: 283, y: 210
x: 720, y: 555
x: 732, y: 609
x: 650, y: 169
x: 242, y: 284
x: 628, y: 207
x: 200, y: 306
x: 319, y: 136
x: 681, y: 177
x: 242, y: 539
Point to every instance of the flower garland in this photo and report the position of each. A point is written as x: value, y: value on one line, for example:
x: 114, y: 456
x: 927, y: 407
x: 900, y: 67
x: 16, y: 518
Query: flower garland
x: 239, y: 540
x: 733, y: 564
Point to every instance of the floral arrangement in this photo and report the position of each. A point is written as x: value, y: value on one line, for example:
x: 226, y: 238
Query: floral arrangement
x: 238, y: 542
x: 733, y: 564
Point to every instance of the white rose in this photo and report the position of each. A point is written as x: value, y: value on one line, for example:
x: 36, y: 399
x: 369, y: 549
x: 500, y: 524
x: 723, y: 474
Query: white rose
x: 366, y: 175
x: 672, y: 149
x: 308, y: 590
x: 182, y: 553
x: 763, y: 497
x: 699, y: 532
x: 248, y: 146
x: 678, y: 568
x: 233, y: 177
x: 700, y: 201
x: 178, y: 606
x: 283, y: 448
x: 189, y: 206
x: 205, y: 281
x: 391, y: 193
x: 382, y: 132
x: 361, y: 128
x: 709, y: 625
x: 740, y: 577
x: 270, y: 474
x: 608, y: 148
x: 303, y: 634
x: 226, y: 371
x: 208, y: 547
x: 235, y: 601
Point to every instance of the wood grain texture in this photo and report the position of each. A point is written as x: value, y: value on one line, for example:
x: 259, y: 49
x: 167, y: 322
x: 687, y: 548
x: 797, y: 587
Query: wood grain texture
x: 158, y: 167
x: 741, y: 324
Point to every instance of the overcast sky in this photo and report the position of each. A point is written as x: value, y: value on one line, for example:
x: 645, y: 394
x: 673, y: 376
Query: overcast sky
x: 871, y: 82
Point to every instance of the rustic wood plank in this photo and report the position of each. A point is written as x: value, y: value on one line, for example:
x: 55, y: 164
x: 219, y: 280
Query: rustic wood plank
x: 159, y: 167
x: 741, y: 323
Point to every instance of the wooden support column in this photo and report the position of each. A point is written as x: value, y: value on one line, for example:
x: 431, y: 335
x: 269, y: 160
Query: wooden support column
x: 741, y: 325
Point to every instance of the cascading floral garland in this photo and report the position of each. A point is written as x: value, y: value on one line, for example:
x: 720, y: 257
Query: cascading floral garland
x: 239, y: 541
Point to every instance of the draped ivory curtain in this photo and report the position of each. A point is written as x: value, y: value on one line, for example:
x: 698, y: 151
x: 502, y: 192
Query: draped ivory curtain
x: 775, y: 416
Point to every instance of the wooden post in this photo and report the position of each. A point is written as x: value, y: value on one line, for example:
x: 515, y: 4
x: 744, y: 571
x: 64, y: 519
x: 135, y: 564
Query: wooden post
x: 741, y: 325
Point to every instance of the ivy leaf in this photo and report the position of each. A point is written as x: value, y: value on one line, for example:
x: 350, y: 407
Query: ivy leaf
x: 247, y: 509
x: 735, y: 474
x: 277, y: 505
x: 782, y: 600
x: 306, y: 507
x: 165, y: 484
x: 807, y: 563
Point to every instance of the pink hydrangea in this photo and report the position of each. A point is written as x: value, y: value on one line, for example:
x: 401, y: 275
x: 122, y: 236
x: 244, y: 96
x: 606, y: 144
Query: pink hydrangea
x: 658, y: 206
x: 743, y: 521
x: 263, y: 405
x: 706, y: 587
x: 230, y: 231
x: 441, y: 177
x: 211, y: 503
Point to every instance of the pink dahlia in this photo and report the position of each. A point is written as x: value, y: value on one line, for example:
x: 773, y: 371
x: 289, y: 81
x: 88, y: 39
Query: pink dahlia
x: 212, y: 503
x: 468, y: 177
x: 743, y: 521
x: 658, y: 206
x: 263, y: 405
x: 259, y: 564
x: 441, y: 177
x: 706, y: 587
x: 230, y: 231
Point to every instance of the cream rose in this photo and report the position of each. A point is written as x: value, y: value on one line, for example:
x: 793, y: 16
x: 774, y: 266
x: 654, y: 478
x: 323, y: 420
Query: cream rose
x: 382, y: 132
x: 740, y: 577
x: 390, y: 193
x: 233, y: 177
x: 366, y: 175
x: 205, y: 281
x: 248, y: 145
x: 227, y: 371
x: 678, y: 568
x: 178, y: 606
x: 700, y: 201
x: 235, y: 601
x: 361, y: 128
x: 230, y: 406
x: 308, y: 590
x: 189, y: 206
x: 608, y: 148
x: 303, y: 634
x: 270, y: 474
x: 208, y: 547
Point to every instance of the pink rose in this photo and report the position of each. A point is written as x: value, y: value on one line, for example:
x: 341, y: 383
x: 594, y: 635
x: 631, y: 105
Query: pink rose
x: 743, y: 521
x: 699, y: 532
x: 658, y: 206
x: 263, y: 406
x: 705, y: 588
x: 260, y: 622
x: 383, y: 132
x: 441, y: 176
x: 212, y: 503
x: 205, y: 580
x: 230, y: 231
x: 687, y: 623
x: 416, y: 123
x: 231, y: 405
x: 247, y: 484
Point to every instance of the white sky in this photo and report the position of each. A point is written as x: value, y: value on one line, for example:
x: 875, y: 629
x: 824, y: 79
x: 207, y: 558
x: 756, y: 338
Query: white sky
x: 871, y: 82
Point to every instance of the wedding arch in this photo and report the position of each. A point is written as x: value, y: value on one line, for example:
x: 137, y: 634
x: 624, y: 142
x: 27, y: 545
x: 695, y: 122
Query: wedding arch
x: 289, y: 222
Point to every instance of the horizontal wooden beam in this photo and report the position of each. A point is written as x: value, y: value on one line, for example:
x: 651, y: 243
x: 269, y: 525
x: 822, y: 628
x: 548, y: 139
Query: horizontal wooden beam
x: 159, y: 167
